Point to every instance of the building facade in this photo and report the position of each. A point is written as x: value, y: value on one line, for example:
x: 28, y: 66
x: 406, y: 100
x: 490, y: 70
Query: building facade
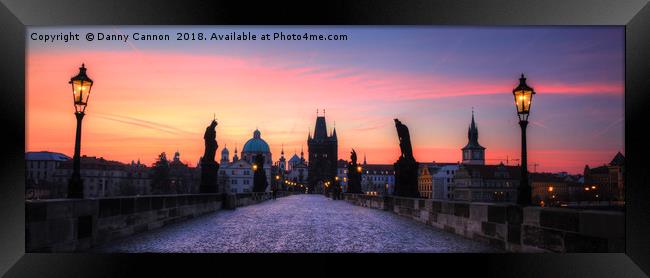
x: 606, y: 182
x: 425, y: 180
x: 101, y: 177
x: 486, y: 183
x: 436, y: 179
x: 378, y: 178
x: 298, y: 170
x: 236, y: 176
x: 342, y: 174
x: 40, y: 168
x: 443, y: 179
x: 551, y: 189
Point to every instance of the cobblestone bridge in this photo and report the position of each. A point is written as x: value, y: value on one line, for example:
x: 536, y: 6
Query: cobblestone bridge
x: 299, y: 223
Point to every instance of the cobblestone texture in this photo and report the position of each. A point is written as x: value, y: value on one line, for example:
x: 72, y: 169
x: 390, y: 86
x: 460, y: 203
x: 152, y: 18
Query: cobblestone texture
x: 299, y: 223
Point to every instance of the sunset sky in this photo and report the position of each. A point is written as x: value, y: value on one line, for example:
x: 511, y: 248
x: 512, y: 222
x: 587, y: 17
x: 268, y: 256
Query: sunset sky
x: 153, y: 97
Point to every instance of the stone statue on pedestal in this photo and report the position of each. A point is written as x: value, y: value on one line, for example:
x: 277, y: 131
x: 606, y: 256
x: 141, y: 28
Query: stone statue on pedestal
x: 259, y: 175
x: 209, y: 167
x: 406, y: 168
x: 354, y: 175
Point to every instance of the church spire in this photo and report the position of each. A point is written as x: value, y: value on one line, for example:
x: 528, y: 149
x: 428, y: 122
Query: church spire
x: 473, y: 152
x: 472, y: 132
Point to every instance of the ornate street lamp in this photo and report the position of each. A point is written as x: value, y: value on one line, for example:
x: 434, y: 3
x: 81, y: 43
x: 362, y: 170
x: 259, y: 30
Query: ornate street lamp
x: 81, y: 85
x: 523, y: 99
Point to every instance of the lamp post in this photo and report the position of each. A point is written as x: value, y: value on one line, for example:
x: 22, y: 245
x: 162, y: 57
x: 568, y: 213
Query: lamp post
x: 523, y: 99
x: 81, y: 85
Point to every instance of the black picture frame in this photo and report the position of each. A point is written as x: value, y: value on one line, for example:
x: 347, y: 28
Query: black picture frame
x: 16, y: 15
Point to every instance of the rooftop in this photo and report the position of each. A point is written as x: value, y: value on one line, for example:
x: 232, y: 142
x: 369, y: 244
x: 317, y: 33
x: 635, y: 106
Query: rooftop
x: 44, y: 155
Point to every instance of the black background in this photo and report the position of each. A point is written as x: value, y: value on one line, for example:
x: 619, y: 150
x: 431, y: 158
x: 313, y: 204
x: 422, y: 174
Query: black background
x: 15, y: 15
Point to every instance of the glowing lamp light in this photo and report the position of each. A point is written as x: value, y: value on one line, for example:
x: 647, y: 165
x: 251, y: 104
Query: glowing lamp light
x: 550, y: 189
x: 359, y: 169
x: 254, y: 167
x: 523, y: 98
x: 81, y: 85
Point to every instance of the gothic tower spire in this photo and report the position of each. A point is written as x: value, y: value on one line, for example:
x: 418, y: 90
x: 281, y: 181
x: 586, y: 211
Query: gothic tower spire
x: 473, y: 152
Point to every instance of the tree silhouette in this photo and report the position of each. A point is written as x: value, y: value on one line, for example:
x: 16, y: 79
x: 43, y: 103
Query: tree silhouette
x: 160, y: 179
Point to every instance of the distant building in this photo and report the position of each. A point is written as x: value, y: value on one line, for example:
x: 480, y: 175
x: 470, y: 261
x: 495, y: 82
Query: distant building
x: 236, y: 176
x: 39, y: 174
x: 342, y: 173
x: 443, y: 179
x: 606, y: 183
x: 473, y: 152
x: 553, y: 189
x: 182, y: 177
x: 282, y: 163
x: 140, y: 180
x: 378, y: 178
x: 486, y: 183
x: 101, y: 177
x: 425, y: 180
x: 435, y: 180
x: 298, y: 170
x: 323, y: 155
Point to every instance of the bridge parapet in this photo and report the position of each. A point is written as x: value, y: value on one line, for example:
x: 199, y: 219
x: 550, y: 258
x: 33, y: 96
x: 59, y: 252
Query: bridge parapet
x: 509, y: 227
x: 70, y: 225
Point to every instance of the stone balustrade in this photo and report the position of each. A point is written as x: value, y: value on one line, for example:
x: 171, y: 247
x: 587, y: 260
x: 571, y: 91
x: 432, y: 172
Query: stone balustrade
x: 509, y: 227
x: 70, y: 225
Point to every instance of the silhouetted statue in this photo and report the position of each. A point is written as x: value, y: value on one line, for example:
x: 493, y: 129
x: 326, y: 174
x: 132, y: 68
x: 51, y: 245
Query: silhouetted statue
x: 404, y: 139
x: 259, y: 175
x: 354, y: 174
x: 210, y: 138
x: 406, y: 168
x: 209, y: 167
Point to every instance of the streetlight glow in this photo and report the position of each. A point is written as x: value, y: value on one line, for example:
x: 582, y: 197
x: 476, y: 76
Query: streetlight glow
x: 523, y: 95
x: 81, y: 85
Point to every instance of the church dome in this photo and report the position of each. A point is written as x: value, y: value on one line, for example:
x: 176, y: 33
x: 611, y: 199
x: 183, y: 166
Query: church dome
x: 225, y: 151
x: 256, y: 144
